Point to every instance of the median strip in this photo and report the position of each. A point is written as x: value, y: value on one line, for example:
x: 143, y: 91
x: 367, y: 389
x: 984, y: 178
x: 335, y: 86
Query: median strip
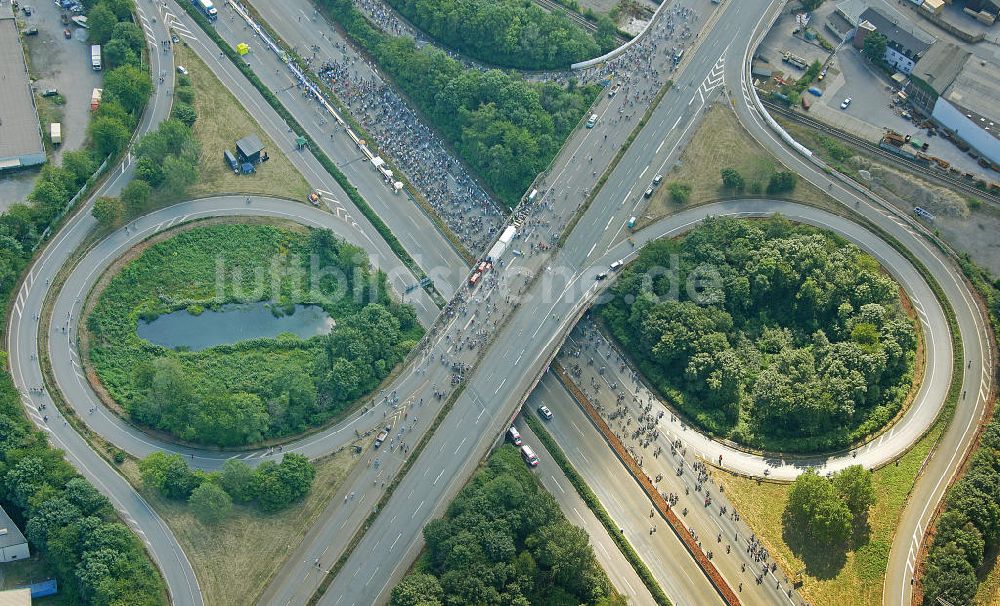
x: 588, y: 496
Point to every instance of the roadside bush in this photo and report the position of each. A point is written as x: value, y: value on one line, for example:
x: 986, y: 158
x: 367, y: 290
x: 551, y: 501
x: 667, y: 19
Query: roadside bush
x: 732, y: 179
x: 271, y: 487
x: 679, y: 192
x: 529, y: 37
x: 210, y: 503
x: 782, y: 182
x: 108, y: 211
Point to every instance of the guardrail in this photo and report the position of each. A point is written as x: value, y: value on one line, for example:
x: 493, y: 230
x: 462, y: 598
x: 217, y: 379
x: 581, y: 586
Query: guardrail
x: 624, y: 47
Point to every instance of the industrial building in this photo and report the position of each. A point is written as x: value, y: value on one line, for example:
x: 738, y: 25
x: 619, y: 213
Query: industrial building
x: 960, y: 92
x: 20, y: 134
x: 13, y: 545
x: 15, y: 597
x: 904, y: 46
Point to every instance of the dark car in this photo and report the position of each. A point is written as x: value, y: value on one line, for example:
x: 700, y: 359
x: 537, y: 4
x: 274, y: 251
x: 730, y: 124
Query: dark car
x: 31, y: 31
x: 50, y: 92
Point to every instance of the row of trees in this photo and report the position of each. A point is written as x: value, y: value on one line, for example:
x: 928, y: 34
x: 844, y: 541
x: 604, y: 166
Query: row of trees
x: 166, y: 160
x: 503, y: 540
x: 509, y: 33
x: 968, y: 529
x: 780, y: 182
x: 271, y: 487
x: 504, y: 127
x: 96, y: 559
x: 73, y: 528
x: 773, y: 334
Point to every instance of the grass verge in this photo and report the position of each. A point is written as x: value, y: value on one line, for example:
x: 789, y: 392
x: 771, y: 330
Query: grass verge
x: 235, y: 559
x: 859, y: 580
x: 595, y: 506
x: 221, y: 122
x: 721, y: 142
x: 352, y: 192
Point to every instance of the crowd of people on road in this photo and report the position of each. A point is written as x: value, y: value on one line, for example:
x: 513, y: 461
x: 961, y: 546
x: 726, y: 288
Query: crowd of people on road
x: 455, y: 196
x: 636, y: 422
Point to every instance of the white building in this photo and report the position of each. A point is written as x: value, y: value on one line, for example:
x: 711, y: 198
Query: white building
x: 960, y: 92
x: 13, y: 545
x: 904, y: 47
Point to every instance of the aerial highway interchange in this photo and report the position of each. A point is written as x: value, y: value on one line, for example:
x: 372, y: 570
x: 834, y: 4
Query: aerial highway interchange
x: 521, y: 317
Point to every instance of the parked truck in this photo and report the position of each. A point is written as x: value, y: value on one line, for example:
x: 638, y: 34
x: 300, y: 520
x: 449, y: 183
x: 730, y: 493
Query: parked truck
x: 793, y: 59
x: 95, y: 99
x: 207, y: 8
x: 95, y: 57
x: 493, y: 256
x: 55, y: 133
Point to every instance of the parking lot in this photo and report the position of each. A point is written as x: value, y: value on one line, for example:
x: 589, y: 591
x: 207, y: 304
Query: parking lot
x: 850, y: 75
x: 59, y: 63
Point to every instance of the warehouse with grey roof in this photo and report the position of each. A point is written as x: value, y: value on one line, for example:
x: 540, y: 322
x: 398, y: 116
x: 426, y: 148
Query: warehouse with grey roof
x: 20, y: 135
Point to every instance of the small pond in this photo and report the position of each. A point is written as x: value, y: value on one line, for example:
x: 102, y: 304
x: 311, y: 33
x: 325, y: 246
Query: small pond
x: 231, y: 324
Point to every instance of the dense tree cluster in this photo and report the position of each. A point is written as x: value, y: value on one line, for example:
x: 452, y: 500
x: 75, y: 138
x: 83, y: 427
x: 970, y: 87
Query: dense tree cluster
x: 166, y: 160
x: 503, y: 540
x: 271, y: 487
x: 509, y: 33
x: 242, y: 393
x: 96, y: 559
x: 504, y: 127
x: 776, y: 335
x: 826, y: 510
x: 968, y: 529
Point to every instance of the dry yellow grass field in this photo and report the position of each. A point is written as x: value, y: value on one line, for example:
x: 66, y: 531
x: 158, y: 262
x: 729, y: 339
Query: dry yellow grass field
x: 235, y: 559
x: 221, y: 122
x: 720, y: 142
x: 851, y: 579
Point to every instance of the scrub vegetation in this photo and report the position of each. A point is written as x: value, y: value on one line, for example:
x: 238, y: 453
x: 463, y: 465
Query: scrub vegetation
x: 509, y: 33
x: 258, y: 389
x: 503, y: 540
x: 775, y: 335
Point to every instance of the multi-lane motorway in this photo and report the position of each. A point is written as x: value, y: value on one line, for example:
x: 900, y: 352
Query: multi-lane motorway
x: 514, y: 342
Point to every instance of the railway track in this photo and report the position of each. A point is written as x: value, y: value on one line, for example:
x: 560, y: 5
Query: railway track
x: 940, y: 177
x: 555, y: 7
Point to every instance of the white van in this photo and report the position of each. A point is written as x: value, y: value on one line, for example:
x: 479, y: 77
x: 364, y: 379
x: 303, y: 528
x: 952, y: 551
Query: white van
x: 592, y: 121
x: 514, y: 436
x: 529, y: 456
x: 617, y: 264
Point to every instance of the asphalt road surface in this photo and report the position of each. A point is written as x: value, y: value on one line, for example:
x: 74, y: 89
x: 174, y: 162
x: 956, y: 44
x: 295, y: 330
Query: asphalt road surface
x: 621, y: 573
x: 521, y: 345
